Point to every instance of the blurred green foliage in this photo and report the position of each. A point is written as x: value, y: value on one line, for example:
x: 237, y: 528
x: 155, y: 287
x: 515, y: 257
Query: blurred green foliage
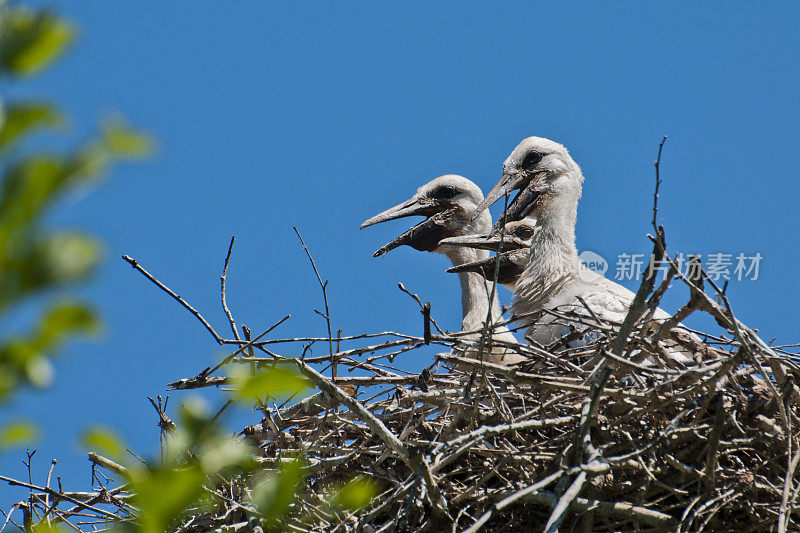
x: 196, y: 451
x: 275, y: 491
x: 31, y: 40
x: 276, y: 382
x: 35, y: 259
x: 104, y: 441
x: 354, y: 495
x: 16, y: 433
x: 200, y: 459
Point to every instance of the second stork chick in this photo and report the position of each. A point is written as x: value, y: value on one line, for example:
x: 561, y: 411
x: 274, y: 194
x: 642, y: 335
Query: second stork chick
x: 512, y: 247
x: 448, y: 202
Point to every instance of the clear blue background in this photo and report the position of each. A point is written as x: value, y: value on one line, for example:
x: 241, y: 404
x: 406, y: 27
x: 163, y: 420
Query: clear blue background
x: 320, y: 115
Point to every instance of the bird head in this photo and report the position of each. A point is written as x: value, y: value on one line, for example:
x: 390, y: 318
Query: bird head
x: 518, y: 235
x: 540, y: 169
x: 509, y: 266
x: 447, y: 202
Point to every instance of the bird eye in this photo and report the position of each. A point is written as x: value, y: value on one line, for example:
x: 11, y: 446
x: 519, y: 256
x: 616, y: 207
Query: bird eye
x: 444, y: 193
x: 524, y: 233
x: 531, y: 160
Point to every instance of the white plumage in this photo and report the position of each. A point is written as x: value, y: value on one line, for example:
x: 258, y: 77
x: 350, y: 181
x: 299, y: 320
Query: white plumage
x: 550, y: 181
x: 448, y: 202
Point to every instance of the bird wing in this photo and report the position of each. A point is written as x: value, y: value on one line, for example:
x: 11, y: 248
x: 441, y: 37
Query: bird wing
x: 610, y: 302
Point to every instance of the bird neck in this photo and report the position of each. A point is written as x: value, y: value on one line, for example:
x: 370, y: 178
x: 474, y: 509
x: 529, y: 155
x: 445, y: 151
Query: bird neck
x: 553, y: 260
x: 475, y: 290
x: 553, y: 252
x: 554, y: 241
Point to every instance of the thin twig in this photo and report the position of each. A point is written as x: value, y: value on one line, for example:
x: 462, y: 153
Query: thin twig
x: 223, y: 295
x: 658, y: 183
x: 324, y: 287
x: 135, y: 264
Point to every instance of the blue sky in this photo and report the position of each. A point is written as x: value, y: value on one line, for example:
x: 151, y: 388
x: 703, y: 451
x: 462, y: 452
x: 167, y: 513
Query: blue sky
x: 320, y: 115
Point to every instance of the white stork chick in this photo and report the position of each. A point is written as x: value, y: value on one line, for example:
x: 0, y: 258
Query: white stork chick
x: 448, y: 203
x: 516, y: 247
x: 550, y: 181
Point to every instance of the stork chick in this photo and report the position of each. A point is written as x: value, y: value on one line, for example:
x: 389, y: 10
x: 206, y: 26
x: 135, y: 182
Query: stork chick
x: 549, y: 181
x: 516, y: 247
x: 448, y: 202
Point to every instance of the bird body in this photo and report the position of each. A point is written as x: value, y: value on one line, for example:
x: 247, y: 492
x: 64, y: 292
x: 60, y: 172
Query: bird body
x: 550, y: 181
x: 448, y: 203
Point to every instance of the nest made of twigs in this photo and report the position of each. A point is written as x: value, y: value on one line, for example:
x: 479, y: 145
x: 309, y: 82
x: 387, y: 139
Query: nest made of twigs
x: 608, y: 435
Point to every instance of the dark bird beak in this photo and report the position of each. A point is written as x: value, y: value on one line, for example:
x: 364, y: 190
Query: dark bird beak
x: 409, y: 208
x: 509, y: 271
x: 425, y: 236
x: 489, y: 241
x: 519, y: 207
x: 507, y: 184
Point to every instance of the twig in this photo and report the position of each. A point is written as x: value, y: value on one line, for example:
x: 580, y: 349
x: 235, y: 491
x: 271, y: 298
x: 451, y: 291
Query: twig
x: 135, y: 264
x: 59, y: 495
x: 107, y: 463
x: 248, y: 335
x: 8, y: 519
x: 164, y: 423
x: 324, y: 287
x: 487, y: 333
x: 658, y: 183
x: 245, y: 347
x: 426, y: 322
x: 421, y: 306
x: 221, y: 410
x: 47, y: 484
x: 564, y: 502
x: 223, y: 296
x: 354, y: 405
x: 787, y: 485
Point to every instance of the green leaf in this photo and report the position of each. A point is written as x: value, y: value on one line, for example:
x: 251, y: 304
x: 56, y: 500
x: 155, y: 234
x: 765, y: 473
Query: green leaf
x: 31, y: 183
x: 276, y: 492
x: 17, y: 434
x: 355, y: 495
x: 58, y: 323
x: 25, y: 118
x: 273, y: 382
x: 44, y: 527
x: 225, y: 453
x: 9, y: 377
x: 30, y: 41
x: 28, y: 186
x: 55, y: 260
x: 194, y: 415
x: 63, y: 258
x: 67, y: 319
x: 123, y: 142
x: 24, y: 359
x: 39, y: 371
x: 104, y: 441
x: 164, y: 494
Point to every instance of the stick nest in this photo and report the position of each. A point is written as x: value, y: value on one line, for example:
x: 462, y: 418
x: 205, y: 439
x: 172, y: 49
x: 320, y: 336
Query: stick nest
x: 611, y: 434
x: 652, y: 448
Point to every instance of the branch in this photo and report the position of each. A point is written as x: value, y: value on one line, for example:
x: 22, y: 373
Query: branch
x: 135, y: 264
x: 658, y: 183
x: 324, y: 287
x: 223, y: 297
